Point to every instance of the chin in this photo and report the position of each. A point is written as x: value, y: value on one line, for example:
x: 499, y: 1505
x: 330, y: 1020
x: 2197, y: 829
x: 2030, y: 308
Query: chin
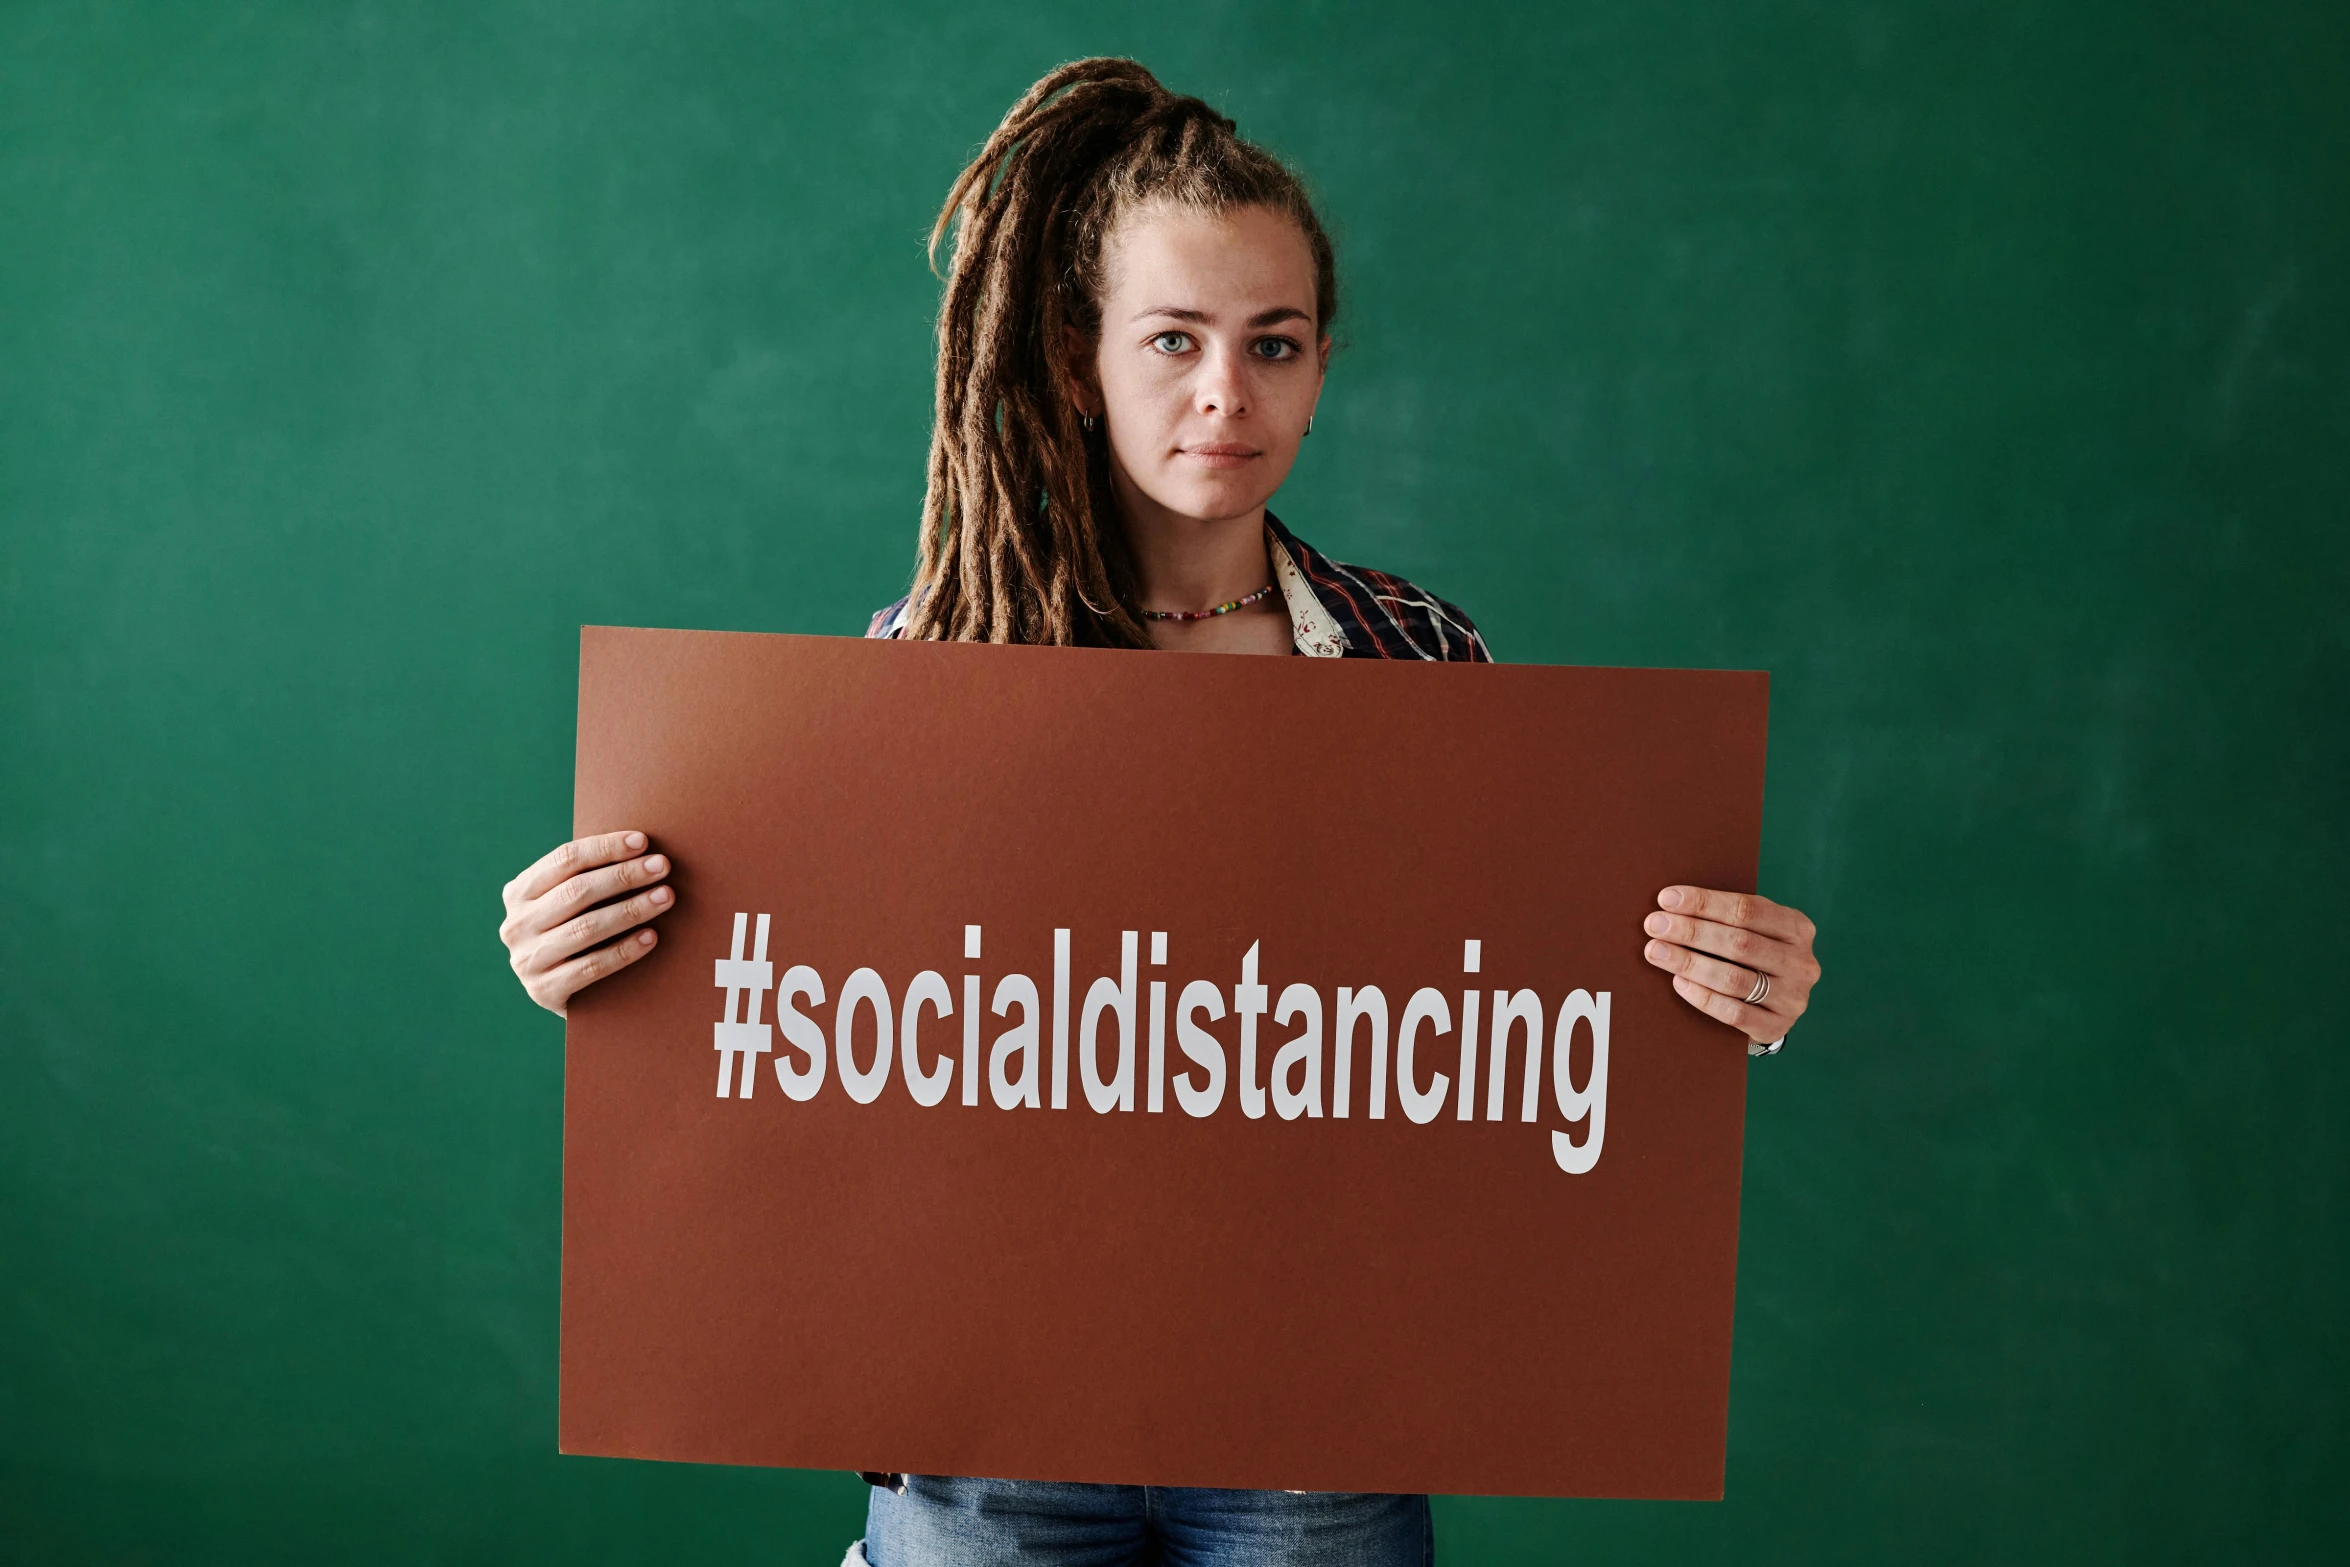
x: 1213, y: 502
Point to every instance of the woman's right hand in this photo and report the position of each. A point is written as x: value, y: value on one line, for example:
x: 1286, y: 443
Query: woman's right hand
x: 552, y: 919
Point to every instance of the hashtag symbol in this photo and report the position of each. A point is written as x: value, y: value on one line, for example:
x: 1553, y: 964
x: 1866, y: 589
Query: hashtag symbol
x: 749, y: 1038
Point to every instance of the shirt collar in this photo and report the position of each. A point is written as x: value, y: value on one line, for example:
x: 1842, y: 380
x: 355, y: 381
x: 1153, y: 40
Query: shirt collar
x: 1316, y: 634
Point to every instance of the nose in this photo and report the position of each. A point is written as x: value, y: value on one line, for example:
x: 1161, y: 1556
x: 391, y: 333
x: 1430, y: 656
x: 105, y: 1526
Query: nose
x: 1223, y: 386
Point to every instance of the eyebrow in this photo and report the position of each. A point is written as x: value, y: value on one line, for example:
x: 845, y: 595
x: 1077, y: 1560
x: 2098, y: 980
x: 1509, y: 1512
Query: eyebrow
x: 1261, y: 318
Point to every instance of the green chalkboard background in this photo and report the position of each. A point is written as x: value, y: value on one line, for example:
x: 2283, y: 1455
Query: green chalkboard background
x: 1980, y: 370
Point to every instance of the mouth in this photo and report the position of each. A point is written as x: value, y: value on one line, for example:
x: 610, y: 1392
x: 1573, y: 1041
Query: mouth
x: 1220, y: 454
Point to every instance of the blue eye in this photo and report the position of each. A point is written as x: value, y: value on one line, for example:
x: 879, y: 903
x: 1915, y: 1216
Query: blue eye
x: 1274, y: 348
x: 1171, y: 342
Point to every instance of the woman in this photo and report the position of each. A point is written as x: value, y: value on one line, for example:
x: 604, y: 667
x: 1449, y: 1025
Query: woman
x: 1134, y: 336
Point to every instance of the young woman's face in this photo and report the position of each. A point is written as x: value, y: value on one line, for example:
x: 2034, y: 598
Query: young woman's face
x: 1210, y: 358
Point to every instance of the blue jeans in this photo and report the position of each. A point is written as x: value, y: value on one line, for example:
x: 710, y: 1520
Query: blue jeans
x: 939, y: 1521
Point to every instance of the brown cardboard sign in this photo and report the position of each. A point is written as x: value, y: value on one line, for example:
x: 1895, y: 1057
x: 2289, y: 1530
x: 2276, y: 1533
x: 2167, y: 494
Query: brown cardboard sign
x: 1170, y: 1069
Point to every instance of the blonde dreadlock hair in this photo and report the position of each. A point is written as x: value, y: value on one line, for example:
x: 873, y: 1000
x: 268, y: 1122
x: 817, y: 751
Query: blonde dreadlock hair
x: 1020, y: 536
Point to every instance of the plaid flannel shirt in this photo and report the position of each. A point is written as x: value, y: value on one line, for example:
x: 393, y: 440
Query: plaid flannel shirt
x: 1335, y: 610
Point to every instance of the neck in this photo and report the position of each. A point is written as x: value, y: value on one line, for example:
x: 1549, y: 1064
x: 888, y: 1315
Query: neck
x: 1192, y: 563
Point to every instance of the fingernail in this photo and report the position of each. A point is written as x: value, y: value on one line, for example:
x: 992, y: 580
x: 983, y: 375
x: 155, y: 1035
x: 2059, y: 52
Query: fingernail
x: 1654, y: 952
x: 1669, y: 898
x: 660, y: 896
x: 645, y: 940
x: 656, y: 865
x: 1656, y: 925
x: 635, y: 841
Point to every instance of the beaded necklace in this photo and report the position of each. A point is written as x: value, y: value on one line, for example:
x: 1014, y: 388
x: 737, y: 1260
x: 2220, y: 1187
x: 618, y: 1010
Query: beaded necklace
x: 1209, y: 614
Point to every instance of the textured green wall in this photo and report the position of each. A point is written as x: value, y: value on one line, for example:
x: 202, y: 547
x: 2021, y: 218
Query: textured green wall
x: 1982, y: 371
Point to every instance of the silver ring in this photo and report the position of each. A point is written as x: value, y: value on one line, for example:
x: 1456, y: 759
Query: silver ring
x: 1762, y: 988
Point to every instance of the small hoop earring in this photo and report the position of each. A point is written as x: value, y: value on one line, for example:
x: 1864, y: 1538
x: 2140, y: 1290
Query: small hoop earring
x: 1089, y: 424
x: 1309, y: 424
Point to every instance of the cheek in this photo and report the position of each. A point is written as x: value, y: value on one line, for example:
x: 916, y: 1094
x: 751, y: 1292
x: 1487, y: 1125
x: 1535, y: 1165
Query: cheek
x: 1290, y: 387
x: 1139, y: 391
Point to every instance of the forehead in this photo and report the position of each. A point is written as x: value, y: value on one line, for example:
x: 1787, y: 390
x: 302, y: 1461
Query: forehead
x: 1246, y: 259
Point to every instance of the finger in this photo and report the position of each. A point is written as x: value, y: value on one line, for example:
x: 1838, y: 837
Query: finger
x: 1714, y: 974
x: 582, y: 892
x: 580, y: 854
x: 1746, y: 910
x: 584, y: 931
x: 1756, y: 1023
x: 1746, y: 948
x: 557, y: 988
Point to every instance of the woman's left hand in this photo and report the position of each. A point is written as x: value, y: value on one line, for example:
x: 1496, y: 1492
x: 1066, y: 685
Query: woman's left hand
x: 1719, y: 946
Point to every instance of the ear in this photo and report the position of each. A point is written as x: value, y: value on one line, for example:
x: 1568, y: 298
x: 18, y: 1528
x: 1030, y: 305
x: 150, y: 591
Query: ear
x: 1322, y: 351
x: 1084, y: 388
